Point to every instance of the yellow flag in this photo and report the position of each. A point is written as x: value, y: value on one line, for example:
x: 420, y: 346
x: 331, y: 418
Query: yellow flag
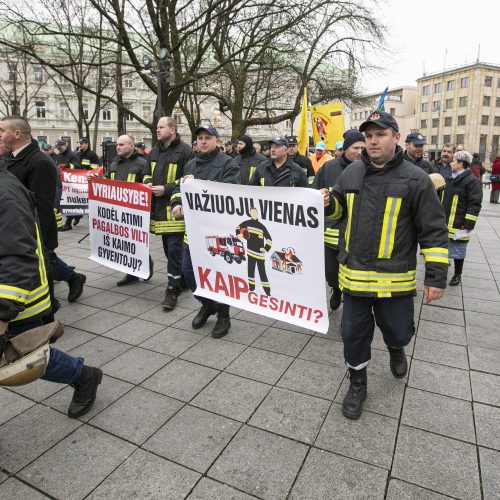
x: 328, y: 123
x: 303, y: 128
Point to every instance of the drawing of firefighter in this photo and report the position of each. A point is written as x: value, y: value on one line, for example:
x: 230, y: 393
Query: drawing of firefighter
x: 258, y: 243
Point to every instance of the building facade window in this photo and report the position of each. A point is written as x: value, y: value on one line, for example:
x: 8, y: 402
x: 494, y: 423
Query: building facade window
x: 435, y: 122
x: 446, y: 139
x: 106, y: 114
x: 86, y: 112
x: 462, y: 102
x: 426, y: 89
x: 12, y: 73
x: 438, y: 87
x: 423, y: 123
x: 447, y: 121
x: 40, y: 109
x: 449, y: 103
x: 497, y: 102
x: 488, y: 81
x: 461, y: 120
x: 128, y: 82
x: 15, y: 107
x: 392, y: 111
x: 497, y: 121
x: 147, y: 112
x: 460, y: 138
x: 486, y: 100
x: 450, y: 85
x: 425, y: 107
x: 37, y: 74
x: 63, y: 111
x: 436, y: 105
x: 464, y: 82
x: 485, y: 119
x: 129, y: 107
x: 434, y: 139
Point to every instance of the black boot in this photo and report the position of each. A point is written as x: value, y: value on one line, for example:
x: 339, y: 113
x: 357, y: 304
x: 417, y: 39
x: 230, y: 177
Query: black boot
x: 75, y: 284
x: 398, y: 363
x: 128, y: 278
x: 221, y: 327
x: 353, y: 401
x: 170, y: 300
x: 66, y: 227
x: 335, y: 299
x: 207, y: 309
x: 85, y: 391
x: 456, y: 280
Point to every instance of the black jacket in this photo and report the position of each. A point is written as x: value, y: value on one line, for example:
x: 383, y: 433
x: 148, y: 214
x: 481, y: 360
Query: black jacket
x: 462, y: 200
x: 326, y: 178
x: 248, y: 163
x: 305, y: 164
x: 69, y: 159
x: 389, y: 211
x: 258, y: 238
x: 87, y: 158
x: 423, y: 164
x: 443, y: 169
x: 129, y: 169
x: 37, y: 173
x: 164, y: 167
x: 24, y: 290
x: 288, y: 175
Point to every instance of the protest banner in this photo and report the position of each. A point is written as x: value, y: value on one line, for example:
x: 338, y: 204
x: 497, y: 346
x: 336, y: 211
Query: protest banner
x: 260, y: 249
x: 328, y: 123
x: 119, y: 225
x: 74, y: 197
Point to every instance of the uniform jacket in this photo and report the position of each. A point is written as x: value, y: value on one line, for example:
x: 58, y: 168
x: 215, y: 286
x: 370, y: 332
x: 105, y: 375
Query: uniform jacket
x: 258, y: 238
x: 305, y: 164
x: 129, y: 169
x: 388, y: 211
x: 87, y: 158
x: 423, y: 164
x: 37, y: 173
x: 290, y: 175
x: 69, y: 159
x: 24, y: 290
x: 495, y: 170
x: 462, y: 198
x: 326, y: 178
x: 443, y: 169
x: 248, y: 163
x: 164, y: 167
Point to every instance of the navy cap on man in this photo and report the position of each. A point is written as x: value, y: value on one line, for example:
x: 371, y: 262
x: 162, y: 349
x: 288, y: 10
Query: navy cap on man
x: 46, y: 147
x: 61, y: 142
x: 292, y: 141
x: 210, y: 130
x: 281, y: 141
x: 84, y: 140
x: 417, y: 139
x: 382, y: 119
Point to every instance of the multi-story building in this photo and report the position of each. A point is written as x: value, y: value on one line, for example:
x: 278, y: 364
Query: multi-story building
x: 399, y: 102
x: 461, y: 106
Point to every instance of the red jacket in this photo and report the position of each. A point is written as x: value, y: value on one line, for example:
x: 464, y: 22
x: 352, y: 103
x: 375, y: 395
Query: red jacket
x: 495, y: 170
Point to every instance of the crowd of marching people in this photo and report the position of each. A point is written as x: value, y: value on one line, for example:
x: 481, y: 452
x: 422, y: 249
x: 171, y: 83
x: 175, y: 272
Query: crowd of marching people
x: 383, y: 205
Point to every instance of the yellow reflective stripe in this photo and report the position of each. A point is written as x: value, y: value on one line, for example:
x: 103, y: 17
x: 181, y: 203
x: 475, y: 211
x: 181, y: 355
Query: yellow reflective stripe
x: 113, y: 175
x: 153, y: 166
x: 262, y: 181
x: 147, y: 178
x: 176, y: 196
x: 252, y: 170
x: 255, y: 255
x: 350, y: 203
x: 376, y: 276
x: 186, y: 242
x: 453, y: 211
x: 471, y: 217
x: 392, y: 207
x: 435, y: 255
x: 171, y: 173
x: 34, y: 310
x: 13, y: 293
x: 131, y: 177
x: 258, y: 232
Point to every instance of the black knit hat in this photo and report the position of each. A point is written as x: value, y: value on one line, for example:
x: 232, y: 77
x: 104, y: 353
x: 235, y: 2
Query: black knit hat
x: 247, y: 140
x: 352, y: 136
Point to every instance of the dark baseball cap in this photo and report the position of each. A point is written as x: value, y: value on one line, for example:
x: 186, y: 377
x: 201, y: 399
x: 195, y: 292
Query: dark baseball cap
x: 140, y: 145
x: 417, y: 139
x: 84, y: 140
x: 61, y: 142
x: 292, y: 141
x: 210, y: 130
x: 46, y: 147
x: 382, y: 119
x: 280, y: 141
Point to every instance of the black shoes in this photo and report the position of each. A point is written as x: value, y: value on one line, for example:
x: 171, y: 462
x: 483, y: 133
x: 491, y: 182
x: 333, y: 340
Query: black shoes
x: 456, y: 280
x: 356, y: 395
x: 85, y: 391
x: 66, y: 227
x: 75, y: 284
x: 76, y: 221
x: 335, y: 299
x: 221, y: 327
x: 203, y: 314
x: 398, y: 363
x: 128, y: 278
x: 170, y: 300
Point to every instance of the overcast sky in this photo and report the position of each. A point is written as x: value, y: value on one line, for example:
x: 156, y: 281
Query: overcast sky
x: 420, y: 32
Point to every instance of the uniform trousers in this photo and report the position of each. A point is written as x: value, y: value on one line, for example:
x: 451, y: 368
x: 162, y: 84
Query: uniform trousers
x: 394, y: 317
x: 261, y: 266
x: 332, y: 267
x: 173, y: 248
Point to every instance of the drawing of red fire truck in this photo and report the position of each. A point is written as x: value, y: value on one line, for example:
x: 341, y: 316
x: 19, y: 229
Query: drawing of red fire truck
x: 229, y: 247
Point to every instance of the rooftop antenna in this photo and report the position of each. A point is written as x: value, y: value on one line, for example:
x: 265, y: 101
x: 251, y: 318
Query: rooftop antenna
x: 423, y: 68
x: 478, y: 51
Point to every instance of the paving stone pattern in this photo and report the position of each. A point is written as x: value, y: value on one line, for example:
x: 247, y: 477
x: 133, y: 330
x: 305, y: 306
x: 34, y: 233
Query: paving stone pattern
x: 258, y: 413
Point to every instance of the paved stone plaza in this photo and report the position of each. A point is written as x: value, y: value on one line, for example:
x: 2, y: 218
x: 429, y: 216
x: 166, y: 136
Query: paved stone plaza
x: 258, y: 413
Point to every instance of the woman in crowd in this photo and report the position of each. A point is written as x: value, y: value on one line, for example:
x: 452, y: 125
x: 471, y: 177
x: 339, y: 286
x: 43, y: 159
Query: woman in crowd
x: 462, y: 203
x: 495, y: 180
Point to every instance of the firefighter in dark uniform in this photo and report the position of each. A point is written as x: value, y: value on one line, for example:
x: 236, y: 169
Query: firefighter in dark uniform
x: 414, y: 153
x: 164, y: 167
x: 258, y: 243
x: 354, y: 143
x: 462, y: 199
x: 88, y: 158
x: 127, y: 166
x: 247, y: 158
x: 209, y: 164
x: 24, y: 290
x: 302, y: 161
x: 279, y: 170
x: 390, y: 206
